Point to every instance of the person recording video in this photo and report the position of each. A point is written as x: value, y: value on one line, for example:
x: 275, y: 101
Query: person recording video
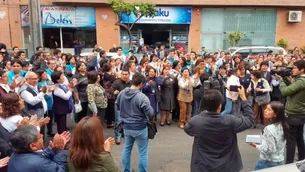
x: 294, y: 90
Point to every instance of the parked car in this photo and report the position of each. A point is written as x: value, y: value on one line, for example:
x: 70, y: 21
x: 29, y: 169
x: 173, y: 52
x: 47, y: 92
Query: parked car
x: 252, y: 52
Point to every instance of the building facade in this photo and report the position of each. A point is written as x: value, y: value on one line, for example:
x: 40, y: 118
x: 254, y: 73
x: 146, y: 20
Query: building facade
x: 182, y: 24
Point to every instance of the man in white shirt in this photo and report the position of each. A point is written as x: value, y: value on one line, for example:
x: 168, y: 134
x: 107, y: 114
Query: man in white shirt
x: 33, y: 98
x: 231, y: 96
x: 131, y: 66
x: 121, y: 55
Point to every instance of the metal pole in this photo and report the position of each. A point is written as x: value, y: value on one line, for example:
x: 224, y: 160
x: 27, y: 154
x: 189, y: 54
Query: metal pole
x: 35, y: 24
x: 61, y: 42
x: 40, y: 24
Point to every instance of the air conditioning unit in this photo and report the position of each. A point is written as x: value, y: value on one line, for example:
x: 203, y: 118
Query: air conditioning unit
x: 295, y: 16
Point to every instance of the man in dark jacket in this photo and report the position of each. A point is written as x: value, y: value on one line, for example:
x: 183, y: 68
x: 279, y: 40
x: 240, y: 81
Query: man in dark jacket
x: 40, y: 63
x: 29, y: 155
x: 34, y: 56
x: 135, y: 110
x: 215, y: 146
x: 5, y: 148
x: 118, y: 86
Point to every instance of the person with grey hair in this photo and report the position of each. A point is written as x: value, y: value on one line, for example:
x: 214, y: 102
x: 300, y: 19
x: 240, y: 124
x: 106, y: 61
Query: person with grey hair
x: 33, y: 96
x: 29, y: 155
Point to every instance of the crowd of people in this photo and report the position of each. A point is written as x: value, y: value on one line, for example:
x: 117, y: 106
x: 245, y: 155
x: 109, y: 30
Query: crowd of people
x: 197, y: 90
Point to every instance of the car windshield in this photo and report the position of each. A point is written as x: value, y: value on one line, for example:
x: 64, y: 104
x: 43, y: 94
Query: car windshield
x: 274, y: 50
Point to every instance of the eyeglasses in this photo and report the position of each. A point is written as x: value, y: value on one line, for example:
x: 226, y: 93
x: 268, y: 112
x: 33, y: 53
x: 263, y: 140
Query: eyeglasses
x: 33, y: 79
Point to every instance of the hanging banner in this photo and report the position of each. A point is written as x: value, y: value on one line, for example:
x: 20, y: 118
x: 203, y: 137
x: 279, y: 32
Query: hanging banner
x: 62, y: 16
x: 164, y: 15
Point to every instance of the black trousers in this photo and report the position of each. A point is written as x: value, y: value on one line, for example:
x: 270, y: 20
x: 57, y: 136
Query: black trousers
x: 50, y: 124
x: 110, y: 113
x: 61, y: 120
x: 295, y: 139
x: 82, y: 113
x: 101, y: 112
x: 176, y: 112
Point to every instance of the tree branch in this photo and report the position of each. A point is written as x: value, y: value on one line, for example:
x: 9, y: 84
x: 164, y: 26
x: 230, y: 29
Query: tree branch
x: 128, y: 31
x: 123, y: 25
x: 136, y: 21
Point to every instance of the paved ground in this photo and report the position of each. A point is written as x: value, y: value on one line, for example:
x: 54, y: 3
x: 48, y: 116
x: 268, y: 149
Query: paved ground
x: 171, y: 150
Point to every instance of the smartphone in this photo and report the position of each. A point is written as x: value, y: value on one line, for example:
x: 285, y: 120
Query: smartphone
x: 234, y: 88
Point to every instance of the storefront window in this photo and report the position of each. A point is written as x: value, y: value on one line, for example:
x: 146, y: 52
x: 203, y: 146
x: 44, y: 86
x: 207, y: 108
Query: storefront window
x: 73, y: 22
x: 171, y: 35
x: 86, y: 37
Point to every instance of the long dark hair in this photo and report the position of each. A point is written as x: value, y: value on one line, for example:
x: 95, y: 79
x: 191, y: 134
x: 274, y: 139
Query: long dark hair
x: 184, y: 62
x: 279, y: 109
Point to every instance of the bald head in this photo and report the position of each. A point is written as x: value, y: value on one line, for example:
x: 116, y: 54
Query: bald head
x: 29, y: 74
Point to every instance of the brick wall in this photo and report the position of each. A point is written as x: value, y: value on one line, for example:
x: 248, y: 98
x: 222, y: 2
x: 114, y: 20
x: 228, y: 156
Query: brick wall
x: 107, y: 33
x: 10, y: 26
x: 293, y: 32
x: 4, y: 26
x: 284, y: 3
x: 194, y: 33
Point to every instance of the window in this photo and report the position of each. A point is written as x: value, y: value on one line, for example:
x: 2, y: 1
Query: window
x: 258, y: 51
x: 86, y: 37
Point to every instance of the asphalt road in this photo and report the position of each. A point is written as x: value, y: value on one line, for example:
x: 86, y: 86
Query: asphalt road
x: 171, y: 150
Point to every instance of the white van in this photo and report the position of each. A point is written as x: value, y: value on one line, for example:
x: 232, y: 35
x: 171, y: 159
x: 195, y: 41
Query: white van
x: 253, y: 51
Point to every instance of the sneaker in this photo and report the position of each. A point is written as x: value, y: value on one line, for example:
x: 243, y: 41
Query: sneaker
x: 117, y: 141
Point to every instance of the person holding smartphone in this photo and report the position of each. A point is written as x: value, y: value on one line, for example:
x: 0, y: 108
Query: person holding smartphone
x: 232, y: 86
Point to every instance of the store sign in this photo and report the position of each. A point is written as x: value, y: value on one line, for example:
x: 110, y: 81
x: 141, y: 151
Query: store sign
x: 58, y: 16
x: 164, y: 15
x: 65, y: 16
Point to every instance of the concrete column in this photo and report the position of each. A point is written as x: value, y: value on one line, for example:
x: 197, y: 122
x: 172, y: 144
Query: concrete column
x: 35, y: 25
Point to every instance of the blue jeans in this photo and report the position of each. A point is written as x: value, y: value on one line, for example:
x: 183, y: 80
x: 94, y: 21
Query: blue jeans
x: 261, y: 164
x: 195, y: 108
x: 229, y: 108
x: 141, y: 138
x: 117, y: 120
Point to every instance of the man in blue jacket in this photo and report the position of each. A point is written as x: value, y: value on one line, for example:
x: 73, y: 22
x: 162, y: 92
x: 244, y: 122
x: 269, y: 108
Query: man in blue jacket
x: 29, y: 155
x: 215, y: 146
x: 135, y: 109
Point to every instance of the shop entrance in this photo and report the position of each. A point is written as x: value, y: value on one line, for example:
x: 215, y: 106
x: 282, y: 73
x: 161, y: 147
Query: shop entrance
x: 170, y: 35
x: 155, y: 37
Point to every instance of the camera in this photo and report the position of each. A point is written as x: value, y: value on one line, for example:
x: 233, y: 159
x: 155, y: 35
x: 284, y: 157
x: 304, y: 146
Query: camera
x: 234, y: 88
x: 282, y: 72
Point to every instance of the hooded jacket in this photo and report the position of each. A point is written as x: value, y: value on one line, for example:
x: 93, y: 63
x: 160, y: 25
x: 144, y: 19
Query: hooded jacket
x: 134, y: 109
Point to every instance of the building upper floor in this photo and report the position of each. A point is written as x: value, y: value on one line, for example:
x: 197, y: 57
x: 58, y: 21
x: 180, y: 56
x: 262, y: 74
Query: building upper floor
x: 215, y: 3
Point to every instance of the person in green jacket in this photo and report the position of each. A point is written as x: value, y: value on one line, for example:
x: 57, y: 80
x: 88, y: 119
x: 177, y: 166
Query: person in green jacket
x: 89, y: 152
x: 294, y: 90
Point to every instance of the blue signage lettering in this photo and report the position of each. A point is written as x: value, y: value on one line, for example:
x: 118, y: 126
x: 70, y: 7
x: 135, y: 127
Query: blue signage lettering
x: 161, y: 13
x: 61, y: 20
